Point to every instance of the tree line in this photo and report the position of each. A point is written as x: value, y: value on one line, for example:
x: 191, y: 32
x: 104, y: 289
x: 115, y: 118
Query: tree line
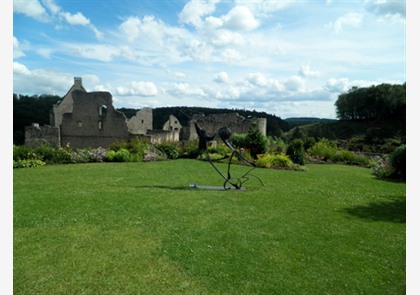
x: 384, y: 102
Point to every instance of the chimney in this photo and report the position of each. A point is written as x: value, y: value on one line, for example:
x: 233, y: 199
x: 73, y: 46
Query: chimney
x: 78, y: 81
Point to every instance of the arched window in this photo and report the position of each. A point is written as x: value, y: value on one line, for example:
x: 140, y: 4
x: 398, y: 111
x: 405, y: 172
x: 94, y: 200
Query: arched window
x: 102, y: 110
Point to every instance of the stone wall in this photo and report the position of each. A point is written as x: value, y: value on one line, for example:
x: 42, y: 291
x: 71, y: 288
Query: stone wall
x: 36, y: 135
x: 94, y: 122
x: 66, y: 104
x: 159, y: 136
x: 141, y: 122
x: 213, y: 122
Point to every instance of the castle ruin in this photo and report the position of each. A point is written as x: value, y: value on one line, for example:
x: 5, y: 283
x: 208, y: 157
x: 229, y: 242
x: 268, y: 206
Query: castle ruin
x: 89, y: 120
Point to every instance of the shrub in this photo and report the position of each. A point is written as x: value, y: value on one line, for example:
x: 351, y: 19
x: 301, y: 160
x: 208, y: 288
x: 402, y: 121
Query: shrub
x: 22, y: 152
x: 281, y: 160
x: 296, y: 151
x: 28, y: 163
x: 256, y: 142
x: 397, y: 159
x: 382, y: 169
x: 189, y: 149
x: 170, y: 149
x: 349, y: 157
x: 239, y: 140
x: 122, y: 155
x: 135, y: 146
x: 88, y: 155
x: 324, y: 149
x: 264, y: 161
x: 275, y: 145
x: 153, y: 154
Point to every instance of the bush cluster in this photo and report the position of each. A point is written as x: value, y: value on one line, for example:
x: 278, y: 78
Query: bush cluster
x: 328, y: 151
x: 393, y: 166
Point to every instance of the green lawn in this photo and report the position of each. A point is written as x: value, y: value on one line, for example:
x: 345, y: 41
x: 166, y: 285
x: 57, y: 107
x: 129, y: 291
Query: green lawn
x: 136, y: 228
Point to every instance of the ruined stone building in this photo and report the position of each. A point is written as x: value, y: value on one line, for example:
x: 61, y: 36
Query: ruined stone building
x: 88, y: 120
x: 213, y: 122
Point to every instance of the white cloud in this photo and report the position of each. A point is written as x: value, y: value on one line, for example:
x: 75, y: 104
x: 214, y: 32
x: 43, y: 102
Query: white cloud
x: 231, y: 55
x: 224, y: 38
x: 179, y: 75
x: 20, y: 69
x: 306, y: 71
x: 140, y: 88
x: 221, y: 77
x: 240, y: 18
x: 351, y: 19
x: 99, y: 52
x: 181, y: 89
x: 195, y: 9
x: 257, y: 79
x: 51, y: 6
x: 386, y: 8
x: 34, y: 9
x: 18, y: 48
x: 41, y: 81
x: 79, y: 19
x: 265, y: 8
x: 337, y: 85
x: 294, y: 83
x: 75, y: 19
x: 131, y: 28
x: 31, y: 8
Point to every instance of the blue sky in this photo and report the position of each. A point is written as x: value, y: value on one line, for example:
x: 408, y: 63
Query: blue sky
x: 288, y: 58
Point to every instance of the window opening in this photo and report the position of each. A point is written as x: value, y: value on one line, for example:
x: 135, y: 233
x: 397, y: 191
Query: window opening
x: 102, y: 110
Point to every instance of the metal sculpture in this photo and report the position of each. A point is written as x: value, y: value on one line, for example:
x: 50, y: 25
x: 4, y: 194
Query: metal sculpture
x: 230, y: 182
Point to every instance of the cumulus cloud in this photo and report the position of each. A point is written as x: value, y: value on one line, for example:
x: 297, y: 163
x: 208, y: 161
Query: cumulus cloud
x: 351, y: 19
x: 75, y: 19
x: 99, y: 52
x: 240, y: 18
x: 41, y: 81
x: 80, y: 20
x: 264, y: 8
x: 19, y: 47
x: 306, y: 71
x: 294, y: 83
x: 34, y: 9
x: 140, y: 88
x: 221, y: 77
x: 194, y: 10
x: 181, y: 89
x: 337, y: 85
x: 222, y: 38
x: 153, y: 41
x: 31, y: 8
x: 386, y: 8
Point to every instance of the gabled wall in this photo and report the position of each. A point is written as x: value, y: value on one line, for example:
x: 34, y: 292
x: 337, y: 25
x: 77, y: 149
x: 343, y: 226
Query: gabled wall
x: 141, y: 122
x: 66, y: 104
x: 93, y: 122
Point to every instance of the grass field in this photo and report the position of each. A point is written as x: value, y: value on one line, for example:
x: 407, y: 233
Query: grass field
x: 136, y: 228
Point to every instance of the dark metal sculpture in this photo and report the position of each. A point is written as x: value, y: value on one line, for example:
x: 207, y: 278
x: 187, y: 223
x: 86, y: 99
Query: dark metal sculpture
x: 224, y: 134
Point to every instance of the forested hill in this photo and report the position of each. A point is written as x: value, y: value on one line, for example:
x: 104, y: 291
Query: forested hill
x: 275, y: 125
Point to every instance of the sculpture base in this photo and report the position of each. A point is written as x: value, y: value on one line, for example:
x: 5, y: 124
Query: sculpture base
x: 215, y: 188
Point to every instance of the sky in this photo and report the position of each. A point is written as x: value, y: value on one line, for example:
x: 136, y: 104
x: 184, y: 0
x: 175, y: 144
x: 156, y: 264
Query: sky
x: 287, y: 58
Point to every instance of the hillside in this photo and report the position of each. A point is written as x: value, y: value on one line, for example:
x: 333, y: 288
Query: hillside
x: 298, y: 121
x: 367, y: 136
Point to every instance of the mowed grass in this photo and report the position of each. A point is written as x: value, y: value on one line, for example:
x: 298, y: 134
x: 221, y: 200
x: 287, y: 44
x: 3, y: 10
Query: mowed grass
x: 137, y: 228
